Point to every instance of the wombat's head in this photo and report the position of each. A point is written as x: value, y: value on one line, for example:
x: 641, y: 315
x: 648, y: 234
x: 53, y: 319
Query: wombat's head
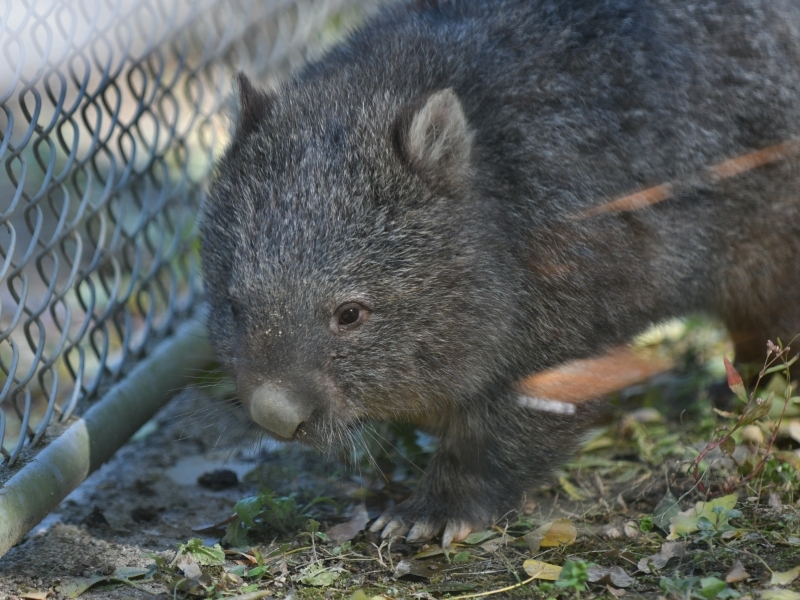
x: 351, y: 269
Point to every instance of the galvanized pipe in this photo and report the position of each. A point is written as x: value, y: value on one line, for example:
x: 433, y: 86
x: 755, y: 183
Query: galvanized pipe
x: 67, y: 461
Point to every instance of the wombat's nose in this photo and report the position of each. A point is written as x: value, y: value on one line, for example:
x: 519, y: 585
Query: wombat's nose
x: 273, y: 409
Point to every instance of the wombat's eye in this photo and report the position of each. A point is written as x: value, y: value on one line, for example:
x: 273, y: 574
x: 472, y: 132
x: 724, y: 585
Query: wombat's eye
x: 350, y: 315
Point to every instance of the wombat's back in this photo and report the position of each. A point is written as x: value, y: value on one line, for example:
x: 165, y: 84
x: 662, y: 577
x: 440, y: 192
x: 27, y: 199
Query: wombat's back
x: 575, y: 103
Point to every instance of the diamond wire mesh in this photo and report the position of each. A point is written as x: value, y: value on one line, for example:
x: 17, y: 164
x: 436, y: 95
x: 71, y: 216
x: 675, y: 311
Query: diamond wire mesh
x: 110, y: 117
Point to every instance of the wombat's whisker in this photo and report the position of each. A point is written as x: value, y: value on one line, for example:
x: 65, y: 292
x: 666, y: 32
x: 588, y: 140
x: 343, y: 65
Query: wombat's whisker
x: 377, y: 436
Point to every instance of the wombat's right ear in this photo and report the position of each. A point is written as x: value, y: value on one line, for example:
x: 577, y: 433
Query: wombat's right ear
x: 248, y: 105
x: 435, y: 138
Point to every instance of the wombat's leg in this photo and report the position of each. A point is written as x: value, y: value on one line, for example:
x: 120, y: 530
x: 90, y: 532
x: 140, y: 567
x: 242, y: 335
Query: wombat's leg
x: 750, y: 351
x: 750, y: 347
x: 750, y: 334
x: 486, y: 461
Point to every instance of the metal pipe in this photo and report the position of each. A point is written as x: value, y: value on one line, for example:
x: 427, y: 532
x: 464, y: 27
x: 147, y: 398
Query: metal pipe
x: 67, y: 461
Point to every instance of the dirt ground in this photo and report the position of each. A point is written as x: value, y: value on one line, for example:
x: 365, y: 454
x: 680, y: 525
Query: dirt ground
x: 182, y: 475
x: 144, y: 501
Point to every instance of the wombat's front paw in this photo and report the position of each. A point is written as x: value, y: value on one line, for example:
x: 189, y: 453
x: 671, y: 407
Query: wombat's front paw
x: 398, y: 522
x: 422, y: 517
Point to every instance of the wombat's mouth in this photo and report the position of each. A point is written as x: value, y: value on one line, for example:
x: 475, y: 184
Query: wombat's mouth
x: 301, y: 434
x: 331, y: 436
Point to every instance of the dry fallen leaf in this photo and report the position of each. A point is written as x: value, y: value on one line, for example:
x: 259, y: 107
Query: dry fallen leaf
x: 435, y: 550
x: 560, y: 532
x: 37, y: 595
x: 573, y: 492
x: 665, y: 510
x: 631, y: 530
x: 495, y: 544
x: 779, y: 594
x: 188, y: 565
x: 793, y: 429
x: 344, y: 532
x: 736, y: 573
x: 615, y: 592
x: 361, y: 595
x: 541, y: 570
x: 657, y: 561
x: 752, y: 434
x: 616, y: 576
x: 785, y: 577
x: 417, y: 570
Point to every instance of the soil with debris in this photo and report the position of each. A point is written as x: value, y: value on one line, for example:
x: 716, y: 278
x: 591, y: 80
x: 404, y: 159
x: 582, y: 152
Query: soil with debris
x: 600, y: 530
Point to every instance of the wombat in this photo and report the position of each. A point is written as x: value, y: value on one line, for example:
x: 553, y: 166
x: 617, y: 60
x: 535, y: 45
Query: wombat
x: 413, y: 223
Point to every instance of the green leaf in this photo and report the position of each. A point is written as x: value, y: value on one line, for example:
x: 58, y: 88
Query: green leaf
x: 687, y: 522
x: 728, y: 446
x: 479, y: 536
x: 204, y: 555
x: 318, y: 575
x: 247, y: 509
x: 758, y: 411
x: 72, y: 588
x: 646, y: 523
x: 574, y: 574
x: 775, y: 369
x: 461, y: 557
x: 704, y: 524
x: 283, y: 549
x: 710, y: 587
x: 258, y: 571
x: 236, y: 535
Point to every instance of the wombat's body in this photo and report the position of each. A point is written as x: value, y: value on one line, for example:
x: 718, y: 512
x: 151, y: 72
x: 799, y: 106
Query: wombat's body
x: 404, y: 229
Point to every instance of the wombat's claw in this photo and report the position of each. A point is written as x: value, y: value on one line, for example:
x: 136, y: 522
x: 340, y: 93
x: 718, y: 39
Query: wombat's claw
x: 455, y: 531
x: 422, y: 530
x: 394, y: 526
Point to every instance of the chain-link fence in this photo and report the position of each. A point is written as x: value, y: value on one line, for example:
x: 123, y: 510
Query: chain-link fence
x: 111, y: 113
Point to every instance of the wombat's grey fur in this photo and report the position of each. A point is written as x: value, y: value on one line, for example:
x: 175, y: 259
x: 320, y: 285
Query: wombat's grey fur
x: 392, y: 234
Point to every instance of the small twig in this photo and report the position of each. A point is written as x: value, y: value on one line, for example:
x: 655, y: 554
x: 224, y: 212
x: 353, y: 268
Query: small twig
x: 756, y: 556
x: 492, y: 592
x: 389, y: 554
x: 380, y: 554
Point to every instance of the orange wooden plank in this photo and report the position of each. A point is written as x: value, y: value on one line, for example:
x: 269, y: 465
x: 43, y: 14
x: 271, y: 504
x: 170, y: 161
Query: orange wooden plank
x: 587, y: 379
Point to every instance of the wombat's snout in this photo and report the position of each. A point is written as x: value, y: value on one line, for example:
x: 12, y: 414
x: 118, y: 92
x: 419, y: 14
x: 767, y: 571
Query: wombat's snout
x: 275, y: 410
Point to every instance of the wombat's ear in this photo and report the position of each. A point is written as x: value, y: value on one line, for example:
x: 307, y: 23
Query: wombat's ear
x: 248, y: 106
x: 436, y: 138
